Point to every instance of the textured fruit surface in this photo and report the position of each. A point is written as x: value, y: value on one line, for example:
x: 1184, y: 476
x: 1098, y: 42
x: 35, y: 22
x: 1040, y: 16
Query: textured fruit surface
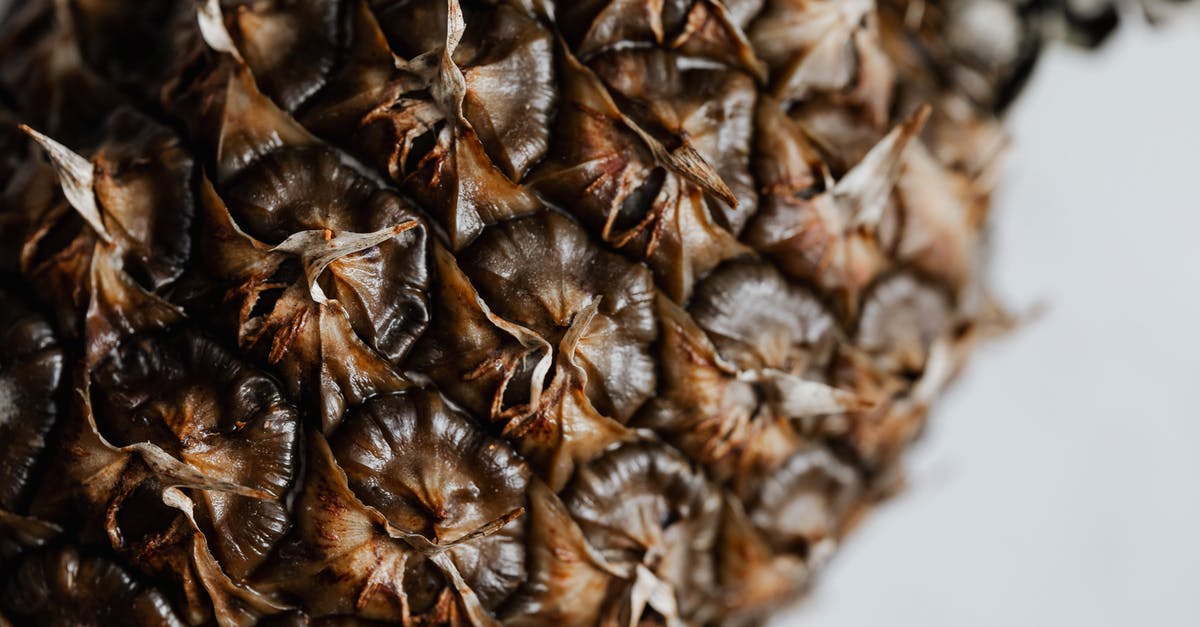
x: 476, y: 311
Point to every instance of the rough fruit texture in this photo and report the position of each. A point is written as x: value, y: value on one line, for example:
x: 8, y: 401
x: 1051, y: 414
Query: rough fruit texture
x: 477, y: 312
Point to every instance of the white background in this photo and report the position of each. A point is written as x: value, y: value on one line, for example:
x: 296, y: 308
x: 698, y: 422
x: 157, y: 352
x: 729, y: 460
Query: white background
x: 1059, y: 484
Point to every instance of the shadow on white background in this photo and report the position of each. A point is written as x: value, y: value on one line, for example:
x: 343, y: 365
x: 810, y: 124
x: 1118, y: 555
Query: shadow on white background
x: 1059, y: 483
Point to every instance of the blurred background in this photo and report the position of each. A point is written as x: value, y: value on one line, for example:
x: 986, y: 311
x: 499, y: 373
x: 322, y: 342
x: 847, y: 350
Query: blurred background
x: 1059, y: 484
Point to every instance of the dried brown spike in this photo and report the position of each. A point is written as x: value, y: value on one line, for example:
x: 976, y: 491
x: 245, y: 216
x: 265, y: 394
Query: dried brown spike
x: 422, y: 119
x: 709, y: 109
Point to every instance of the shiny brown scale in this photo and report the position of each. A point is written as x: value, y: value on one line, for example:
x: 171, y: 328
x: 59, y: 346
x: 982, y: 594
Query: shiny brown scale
x: 506, y: 59
x: 290, y: 45
x: 41, y: 67
x: 542, y: 273
x: 796, y: 518
x: 654, y: 519
x: 454, y: 113
x: 568, y: 583
x: 826, y: 49
x: 168, y: 436
x: 805, y: 506
x: 713, y: 31
x: 838, y: 234
x: 433, y: 473
x: 196, y: 403
x: 484, y: 364
x: 901, y: 319
x: 759, y: 321
x: 746, y: 372
x: 338, y: 560
x: 755, y: 577
x: 546, y: 281
x: 274, y: 304
x: 710, y: 108
x: 382, y: 288
x: 63, y: 587
x: 315, y: 263
x: 31, y: 368
x: 561, y: 358
x: 133, y: 196
x: 31, y: 373
x: 130, y: 43
x: 377, y: 552
x: 911, y: 340
x: 635, y: 175
x: 183, y: 457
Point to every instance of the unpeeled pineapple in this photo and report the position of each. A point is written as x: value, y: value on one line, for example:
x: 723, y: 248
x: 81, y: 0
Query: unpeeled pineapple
x: 485, y: 312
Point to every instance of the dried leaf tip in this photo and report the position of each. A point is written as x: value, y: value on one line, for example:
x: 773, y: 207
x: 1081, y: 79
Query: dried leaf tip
x: 319, y: 248
x: 77, y: 176
x: 456, y: 25
x: 212, y: 28
x: 865, y: 189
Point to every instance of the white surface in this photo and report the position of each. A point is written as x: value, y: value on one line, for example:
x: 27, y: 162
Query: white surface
x: 1059, y: 484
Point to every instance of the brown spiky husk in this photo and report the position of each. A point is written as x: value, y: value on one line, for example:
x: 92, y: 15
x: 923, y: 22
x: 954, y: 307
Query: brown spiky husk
x: 478, y: 312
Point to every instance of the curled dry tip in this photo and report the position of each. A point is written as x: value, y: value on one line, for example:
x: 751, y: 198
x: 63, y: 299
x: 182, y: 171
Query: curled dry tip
x: 317, y: 248
x: 917, y: 120
x: 456, y: 25
x: 865, y: 189
x: 431, y: 548
x: 212, y: 28
x: 802, y: 398
x: 77, y: 176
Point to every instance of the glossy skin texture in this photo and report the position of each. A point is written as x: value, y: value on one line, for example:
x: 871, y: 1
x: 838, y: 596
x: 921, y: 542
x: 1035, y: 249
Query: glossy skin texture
x: 30, y: 375
x: 431, y: 472
x: 62, y: 587
x: 476, y: 312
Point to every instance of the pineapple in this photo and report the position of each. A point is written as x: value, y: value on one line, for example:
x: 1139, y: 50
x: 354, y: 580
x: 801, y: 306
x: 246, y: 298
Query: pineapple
x: 488, y: 312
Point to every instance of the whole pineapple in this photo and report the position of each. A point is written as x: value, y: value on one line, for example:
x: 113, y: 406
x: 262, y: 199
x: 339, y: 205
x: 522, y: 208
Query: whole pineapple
x: 476, y: 311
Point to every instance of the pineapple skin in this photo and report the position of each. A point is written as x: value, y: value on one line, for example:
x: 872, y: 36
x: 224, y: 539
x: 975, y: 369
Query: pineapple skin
x: 477, y: 312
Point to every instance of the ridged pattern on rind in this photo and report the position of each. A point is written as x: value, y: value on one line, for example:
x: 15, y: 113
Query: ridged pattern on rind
x: 518, y: 312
